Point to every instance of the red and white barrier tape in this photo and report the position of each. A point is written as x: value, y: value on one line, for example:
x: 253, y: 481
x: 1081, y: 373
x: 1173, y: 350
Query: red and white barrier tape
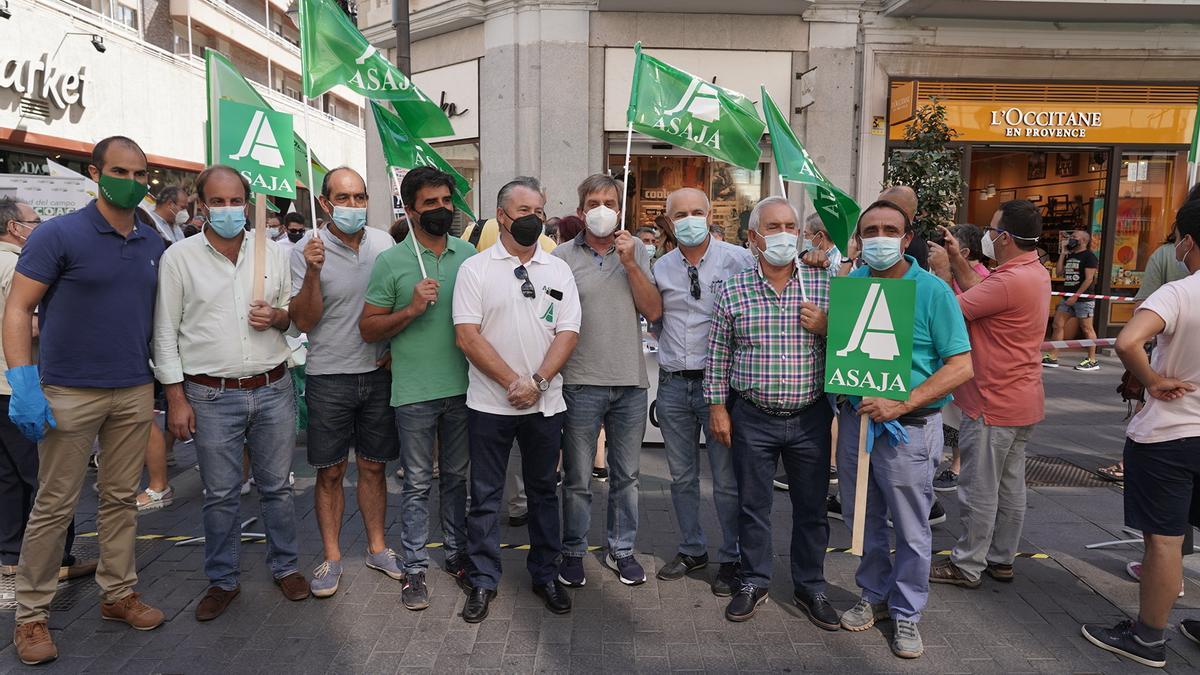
x: 1078, y: 344
x: 1089, y: 296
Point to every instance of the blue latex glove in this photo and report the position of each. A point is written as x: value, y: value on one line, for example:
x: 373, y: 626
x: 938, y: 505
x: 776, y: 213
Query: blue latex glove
x: 28, y: 408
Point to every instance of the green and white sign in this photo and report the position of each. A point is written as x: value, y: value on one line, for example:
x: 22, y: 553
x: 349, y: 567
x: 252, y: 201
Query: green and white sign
x: 251, y: 143
x: 869, y: 350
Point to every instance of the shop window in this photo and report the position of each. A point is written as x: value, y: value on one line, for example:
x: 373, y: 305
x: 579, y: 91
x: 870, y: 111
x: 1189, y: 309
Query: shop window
x: 1152, y: 187
x: 733, y: 190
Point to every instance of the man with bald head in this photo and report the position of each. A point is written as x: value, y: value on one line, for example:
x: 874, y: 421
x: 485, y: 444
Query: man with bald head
x: 906, y: 198
x: 689, y: 279
x: 764, y: 387
x: 230, y: 388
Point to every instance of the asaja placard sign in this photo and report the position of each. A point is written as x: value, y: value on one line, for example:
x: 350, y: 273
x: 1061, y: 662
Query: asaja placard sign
x: 869, y: 351
x: 251, y: 143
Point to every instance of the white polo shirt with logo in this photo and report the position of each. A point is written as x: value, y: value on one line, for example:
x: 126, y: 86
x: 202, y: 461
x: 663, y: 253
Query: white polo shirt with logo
x: 520, y: 329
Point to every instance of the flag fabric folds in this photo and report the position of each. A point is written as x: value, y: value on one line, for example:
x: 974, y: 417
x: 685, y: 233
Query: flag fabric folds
x: 684, y: 110
x: 837, y: 210
x: 404, y: 149
x: 333, y: 51
x: 225, y: 82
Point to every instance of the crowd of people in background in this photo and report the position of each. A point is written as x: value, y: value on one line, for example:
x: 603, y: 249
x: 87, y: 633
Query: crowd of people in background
x: 521, y: 342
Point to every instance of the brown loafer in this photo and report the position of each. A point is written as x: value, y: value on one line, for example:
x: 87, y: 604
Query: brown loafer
x: 131, y: 610
x: 1000, y: 572
x: 82, y: 568
x: 214, y: 602
x: 946, y: 572
x: 294, y: 586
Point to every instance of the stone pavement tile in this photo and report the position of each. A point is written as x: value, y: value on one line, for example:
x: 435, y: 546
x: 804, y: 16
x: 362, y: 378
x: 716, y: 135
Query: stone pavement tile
x: 492, y: 630
x: 383, y: 663
x: 748, y: 657
x: 486, y: 655
x: 459, y: 640
x: 431, y: 629
x: 450, y: 663
x: 587, y: 663
x: 421, y: 654
x: 651, y: 664
x: 618, y: 657
x: 522, y: 643
x: 556, y: 630
x: 557, y: 661
x: 685, y: 657
x: 517, y: 664
x: 649, y: 644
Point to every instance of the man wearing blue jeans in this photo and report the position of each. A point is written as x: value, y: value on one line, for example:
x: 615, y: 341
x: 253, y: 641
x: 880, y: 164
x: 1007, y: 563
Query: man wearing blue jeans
x: 223, y: 360
x: 347, y: 387
x: 764, y: 389
x: 410, y: 302
x: 516, y: 317
x: 689, y: 279
x: 900, y: 483
x: 605, y: 379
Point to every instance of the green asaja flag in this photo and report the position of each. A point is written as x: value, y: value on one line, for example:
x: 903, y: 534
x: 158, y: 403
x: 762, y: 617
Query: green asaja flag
x: 225, y: 82
x: 333, y: 52
x: 684, y: 110
x: 838, y: 212
x: 403, y: 149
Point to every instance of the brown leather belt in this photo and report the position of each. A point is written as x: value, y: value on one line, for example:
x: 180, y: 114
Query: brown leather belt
x: 252, y: 382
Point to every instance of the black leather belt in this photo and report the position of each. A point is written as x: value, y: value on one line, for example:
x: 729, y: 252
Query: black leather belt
x: 777, y: 412
x: 690, y: 374
x: 919, y: 417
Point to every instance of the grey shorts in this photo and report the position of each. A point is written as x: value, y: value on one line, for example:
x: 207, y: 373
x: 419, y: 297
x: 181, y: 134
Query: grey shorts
x: 1081, y: 309
x: 350, y: 410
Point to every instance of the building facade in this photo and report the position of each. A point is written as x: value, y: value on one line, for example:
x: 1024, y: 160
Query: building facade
x: 76, y: 72
x: 545, y: 86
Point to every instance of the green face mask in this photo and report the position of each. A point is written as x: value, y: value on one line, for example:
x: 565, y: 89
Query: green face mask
x: 122, y: 193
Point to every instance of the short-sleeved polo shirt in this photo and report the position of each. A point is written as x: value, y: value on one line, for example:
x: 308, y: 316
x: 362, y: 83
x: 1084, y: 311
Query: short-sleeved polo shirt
x: 939, y: 330
x: 426, y: 361
x: 96, y: 318
x: 335, y: 345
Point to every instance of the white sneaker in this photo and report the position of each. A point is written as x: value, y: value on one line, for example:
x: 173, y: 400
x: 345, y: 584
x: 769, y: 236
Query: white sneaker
x: 1134, y: 569
x: 246, y: 487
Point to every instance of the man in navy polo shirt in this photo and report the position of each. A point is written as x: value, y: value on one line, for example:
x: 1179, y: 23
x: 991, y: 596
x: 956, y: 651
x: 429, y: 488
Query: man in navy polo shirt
x: 92, y: 276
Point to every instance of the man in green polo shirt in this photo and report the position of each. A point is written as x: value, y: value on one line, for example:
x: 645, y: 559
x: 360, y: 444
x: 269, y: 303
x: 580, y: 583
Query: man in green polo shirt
x: 409, y: 301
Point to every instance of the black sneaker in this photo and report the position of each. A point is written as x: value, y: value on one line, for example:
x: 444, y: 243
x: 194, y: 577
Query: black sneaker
x: 414, y: 594
x: 681, y: 565
x: 746, y: 602
x: 726, y: 579
x: 937, y: 514
x: 819, y: 611
x: 570, y: 572
x: 1120, y: 640
x: 600, y: 474
x: 459, y: 567
x: 1190, y: 628
x: 833, y: 475
x: 781, y: 481
x: 833, y: 508
x: 518, y: 521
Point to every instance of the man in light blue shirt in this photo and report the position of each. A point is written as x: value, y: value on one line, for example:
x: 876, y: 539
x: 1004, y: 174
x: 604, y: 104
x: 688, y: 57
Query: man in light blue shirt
x: 689, y: 279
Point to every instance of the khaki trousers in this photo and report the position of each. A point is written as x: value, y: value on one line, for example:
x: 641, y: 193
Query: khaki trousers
x: 122, y: 419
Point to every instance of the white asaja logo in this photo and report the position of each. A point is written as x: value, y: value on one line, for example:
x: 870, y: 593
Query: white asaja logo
x: 873, y: 333
x: 259, y: 143
x: 367, y: 53
x: 701, y: 100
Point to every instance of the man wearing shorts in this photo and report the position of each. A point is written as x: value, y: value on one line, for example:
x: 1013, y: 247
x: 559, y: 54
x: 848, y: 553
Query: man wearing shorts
x: 1078, y: 266
x: 1162, y: 451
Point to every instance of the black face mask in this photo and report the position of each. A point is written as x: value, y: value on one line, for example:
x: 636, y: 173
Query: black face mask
x: 1072, y: 243
x: 295, y: 235
x: 526, y: 229
x: 437, y: 221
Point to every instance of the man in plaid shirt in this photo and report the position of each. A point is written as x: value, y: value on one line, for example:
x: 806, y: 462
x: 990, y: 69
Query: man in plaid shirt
x: 764, y: 388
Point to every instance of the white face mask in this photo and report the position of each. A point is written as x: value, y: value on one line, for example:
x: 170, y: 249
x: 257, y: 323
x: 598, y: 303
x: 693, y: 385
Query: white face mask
x: 650, y: 249
x: 182, y: 217
x: 1182, y: 259
x: 988, y: 246
x: 601, y: 221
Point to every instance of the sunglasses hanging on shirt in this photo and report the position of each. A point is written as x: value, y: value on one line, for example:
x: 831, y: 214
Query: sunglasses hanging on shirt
x: 526, y: 286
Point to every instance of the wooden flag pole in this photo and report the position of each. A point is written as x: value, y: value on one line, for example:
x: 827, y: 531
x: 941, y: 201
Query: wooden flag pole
x: 860, y: 489
x: 412, y: 227
x: 625, y: 178
x: 260, y: 247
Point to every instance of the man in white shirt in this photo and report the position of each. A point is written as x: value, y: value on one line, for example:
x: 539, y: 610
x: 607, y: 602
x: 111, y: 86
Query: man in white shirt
x: 1162, y: 451
x: 516, y: 317
x: 222, y: 357
x: 170, y: 213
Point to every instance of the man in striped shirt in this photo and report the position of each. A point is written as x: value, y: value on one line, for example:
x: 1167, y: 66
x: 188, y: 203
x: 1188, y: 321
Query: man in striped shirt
x: 764, y: 388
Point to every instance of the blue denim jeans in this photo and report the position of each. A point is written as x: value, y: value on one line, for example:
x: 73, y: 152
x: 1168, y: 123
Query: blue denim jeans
x: 900, y: 483
x: 264, y: 421
x: 491, y: 443
x: 682, y: 412
x: 441, y: 422
x: 801, y: 442
x: 622, y: 411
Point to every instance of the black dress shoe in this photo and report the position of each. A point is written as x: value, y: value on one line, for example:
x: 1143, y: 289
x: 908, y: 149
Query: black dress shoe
x: 819, y: 611
x: 681, y: 565
x: 745, y: 602
x: 554, y: 594
x: 476, y: 609
x: 726, y: 580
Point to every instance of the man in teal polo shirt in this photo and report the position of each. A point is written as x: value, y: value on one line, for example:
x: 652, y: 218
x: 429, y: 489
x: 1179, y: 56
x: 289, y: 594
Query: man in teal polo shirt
x: 409, y: 301
x: 901, y: 471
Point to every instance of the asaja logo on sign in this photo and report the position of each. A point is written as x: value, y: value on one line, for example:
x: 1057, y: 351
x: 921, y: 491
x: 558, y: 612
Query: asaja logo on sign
x: 690, y: 117
x: 258, y: 143
x: 870, y: 337
x: 376, y: 78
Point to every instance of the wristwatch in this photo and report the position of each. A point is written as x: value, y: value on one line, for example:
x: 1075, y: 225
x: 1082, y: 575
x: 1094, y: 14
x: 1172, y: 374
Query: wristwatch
x: 542, y: 383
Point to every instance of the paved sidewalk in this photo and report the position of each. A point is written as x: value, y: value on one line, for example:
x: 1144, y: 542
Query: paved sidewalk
x: 1031, y: 625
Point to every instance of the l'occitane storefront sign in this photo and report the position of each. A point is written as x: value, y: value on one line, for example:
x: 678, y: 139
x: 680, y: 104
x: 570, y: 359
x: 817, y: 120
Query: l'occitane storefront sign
x: 1061, y: 113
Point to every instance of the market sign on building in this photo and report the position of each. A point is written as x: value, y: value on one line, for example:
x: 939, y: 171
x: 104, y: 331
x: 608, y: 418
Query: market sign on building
x: 1018, y: 112
x: 870, y: 337
x: 45, y: 79
x: 250, y: 143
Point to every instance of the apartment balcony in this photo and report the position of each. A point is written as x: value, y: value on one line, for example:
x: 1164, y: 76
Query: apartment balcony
x: 785, y: 7
x: 222, y: 18
x: 1137, y: 11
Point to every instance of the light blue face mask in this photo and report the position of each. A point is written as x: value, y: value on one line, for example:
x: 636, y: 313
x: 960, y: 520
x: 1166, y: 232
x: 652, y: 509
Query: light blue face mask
x: 780, y: 248
x: 349, y: 219
x: 691, y: 231
x: 881, y: 253
x: 227, y: 221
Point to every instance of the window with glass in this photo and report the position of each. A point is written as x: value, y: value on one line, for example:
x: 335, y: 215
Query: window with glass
x: 1153, y: 185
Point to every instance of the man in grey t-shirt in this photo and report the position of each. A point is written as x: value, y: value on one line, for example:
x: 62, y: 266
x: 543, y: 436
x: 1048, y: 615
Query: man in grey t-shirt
x: 604, y: 381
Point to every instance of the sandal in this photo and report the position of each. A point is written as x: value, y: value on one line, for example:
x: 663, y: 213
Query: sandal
x: 157, y: 499
x: 1115, y: 473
